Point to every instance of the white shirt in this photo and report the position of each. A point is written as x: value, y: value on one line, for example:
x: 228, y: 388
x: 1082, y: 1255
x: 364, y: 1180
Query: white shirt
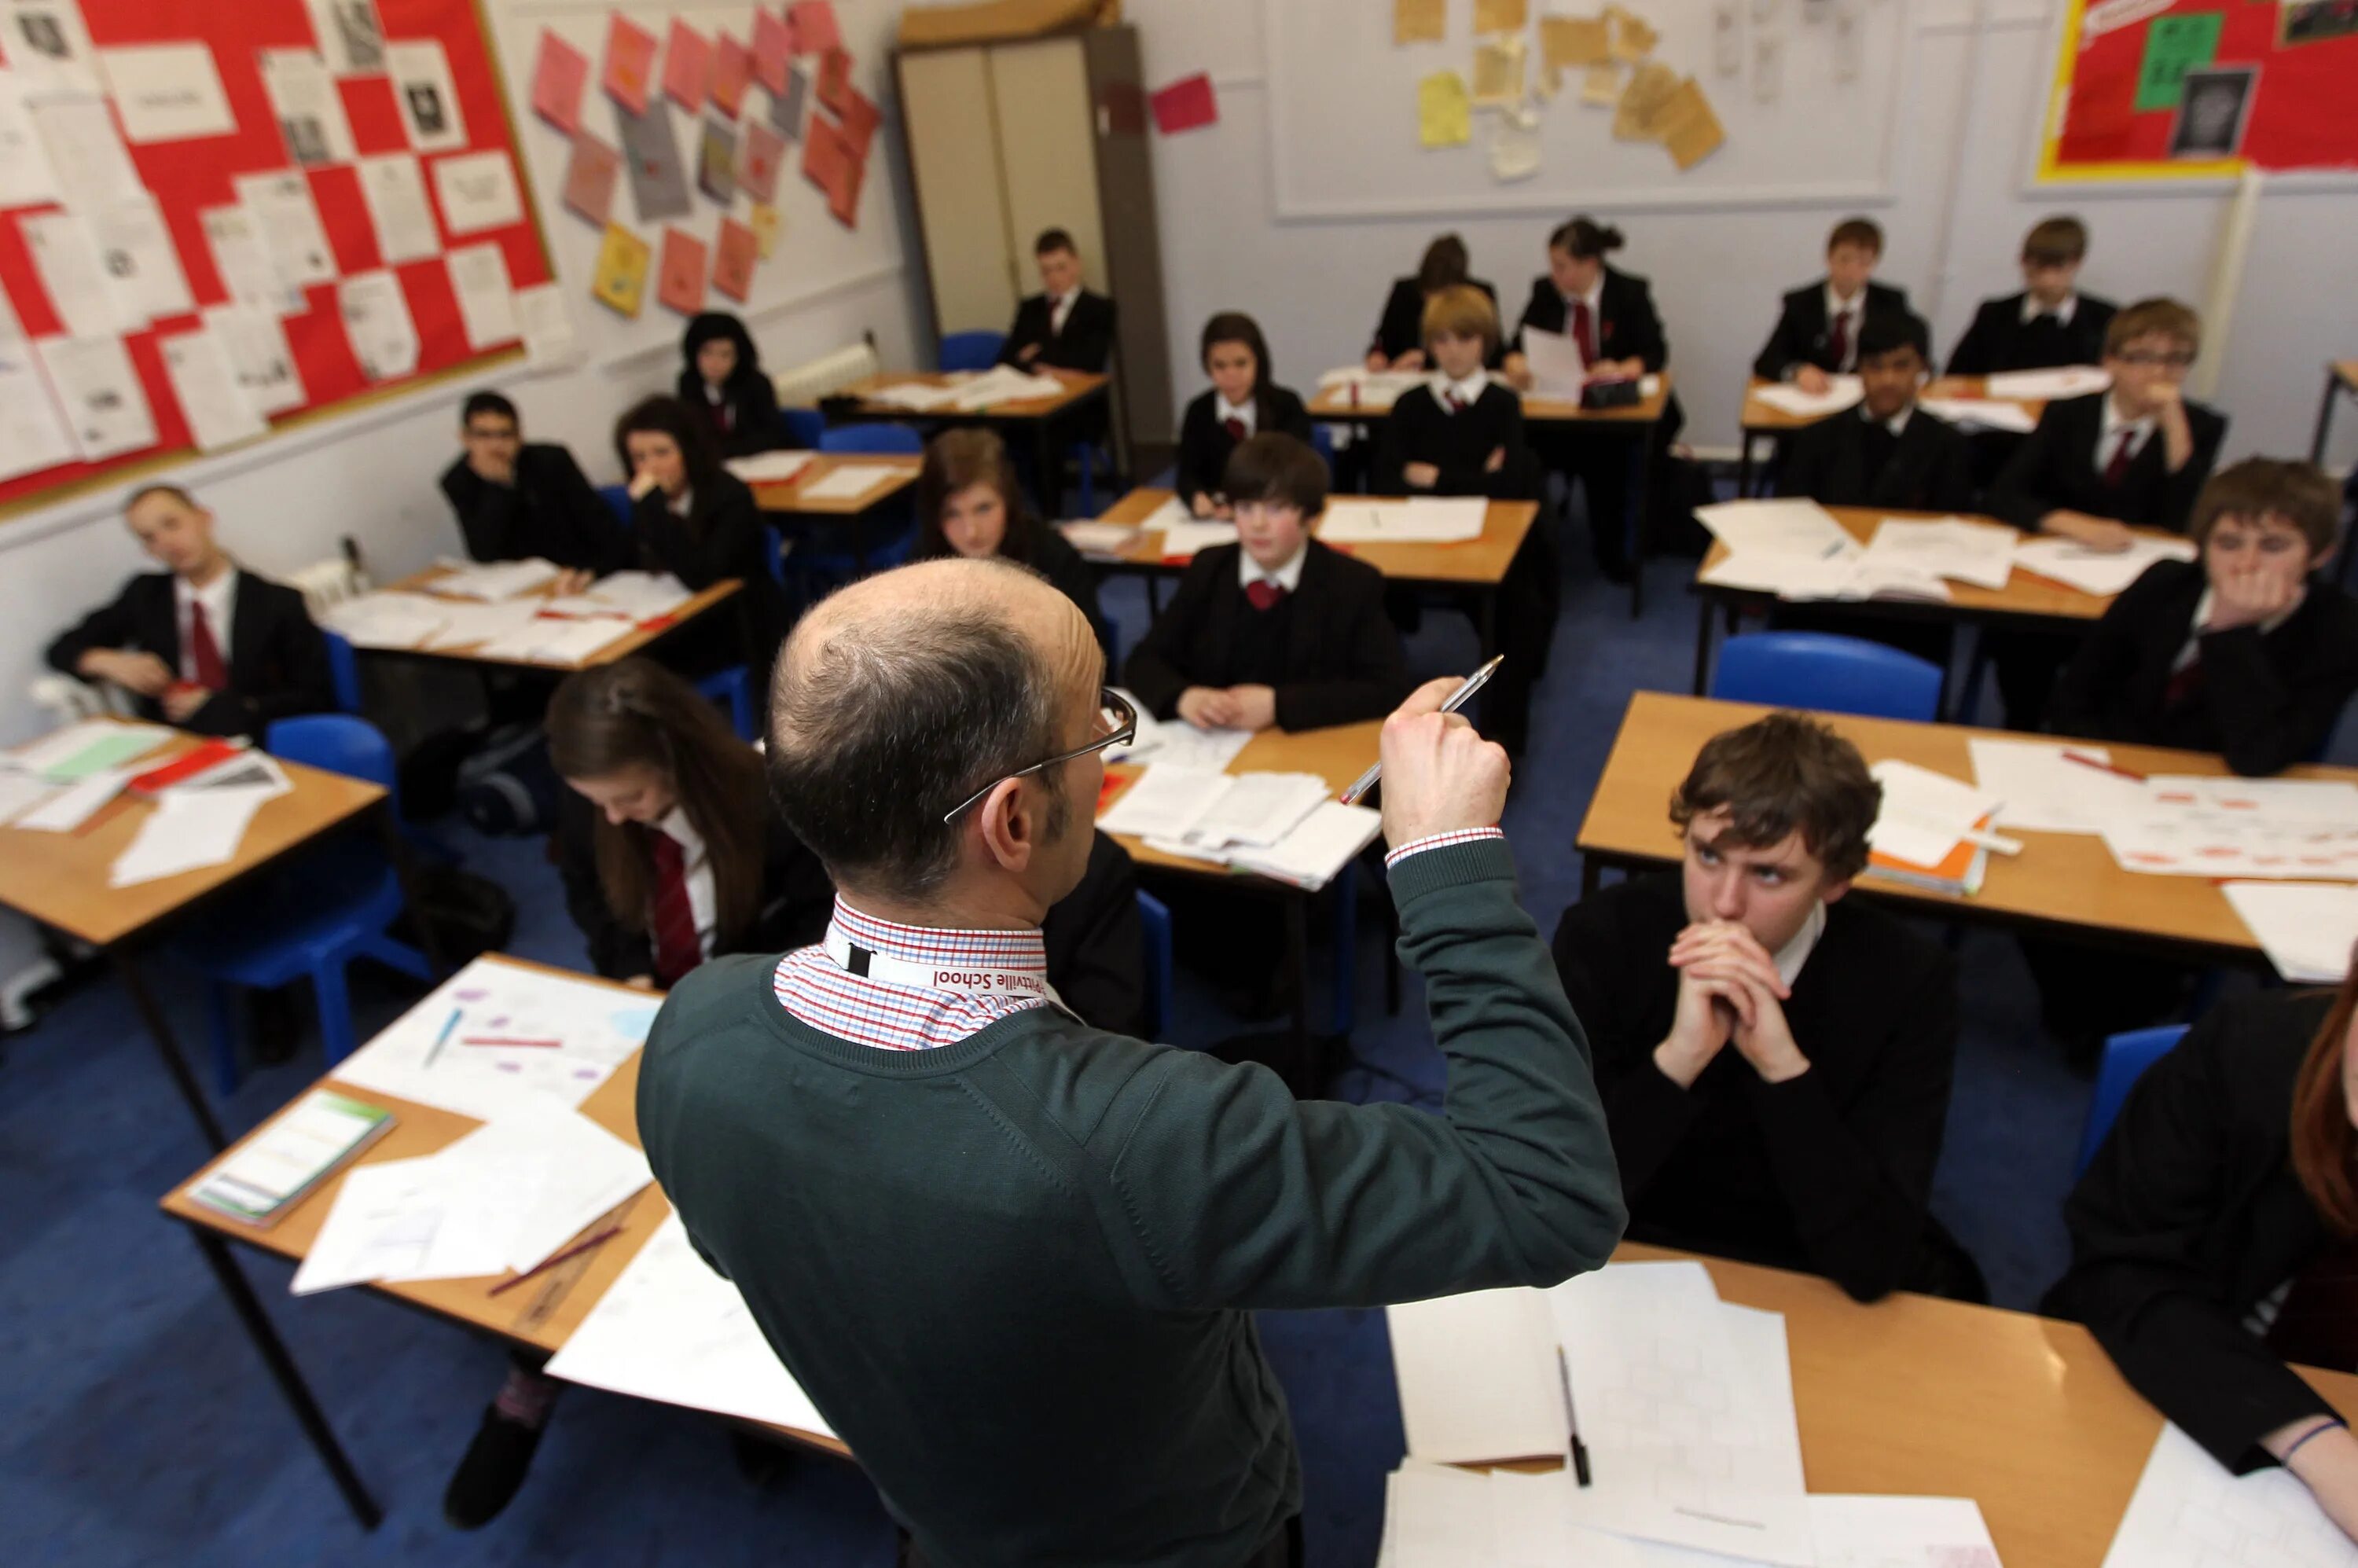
x: 1059, y: 306
x: 1897, y: 424
x: 2108, y: 436
x: 696, y: 871
x: 2202, y: 607
x: 1595, y: 301
x: 1223, y: 410
x: 678, y: 505
x: 1470, y: 389
x: 1287, y: 577
x: 1856, y: 309
x: 1796, y: 953
x: 2032, y: 311
x: 220, y: 599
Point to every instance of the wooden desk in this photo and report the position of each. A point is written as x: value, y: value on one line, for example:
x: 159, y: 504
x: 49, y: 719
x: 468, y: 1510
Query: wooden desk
x: 1338, y: 754
x: 1041, y: 417
x: 1474, y: 569
x: 2026, y: 597
x: 60, y: 879
x: 1759, y: 418
x: 1636, y: 423
x: 541, y: 1315
x: 2340, y: 377
x: 790, y: 502
x: 1920, y: 1396
x: 634, y: 640
x: 2066, y: 884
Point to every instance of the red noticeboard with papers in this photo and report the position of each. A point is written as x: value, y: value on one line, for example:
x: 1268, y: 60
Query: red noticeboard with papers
x: 390, y: 104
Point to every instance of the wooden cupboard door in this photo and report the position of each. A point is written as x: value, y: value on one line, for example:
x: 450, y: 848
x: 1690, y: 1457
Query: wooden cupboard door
x: 1047, y: 151
x: 954, y: 160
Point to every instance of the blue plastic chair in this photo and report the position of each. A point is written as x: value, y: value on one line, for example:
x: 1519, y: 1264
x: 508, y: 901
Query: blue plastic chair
x: 732, y: 689
x: 2126, y: 1056
x: 1154, y: 916
x: 617, y: 496
x: 971, y: 350
x: 343, y: 672
x: 804, y: 427
x: 334, y: 908
x: 901, y: 440
x: 1829, y: 673
x: 1322, y: 442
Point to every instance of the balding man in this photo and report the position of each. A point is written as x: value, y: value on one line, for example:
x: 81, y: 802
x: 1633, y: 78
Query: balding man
x: 1008, y: 1256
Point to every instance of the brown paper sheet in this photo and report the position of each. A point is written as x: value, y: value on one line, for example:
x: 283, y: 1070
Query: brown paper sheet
x: 1688, y: 128
x: 1419, y: 21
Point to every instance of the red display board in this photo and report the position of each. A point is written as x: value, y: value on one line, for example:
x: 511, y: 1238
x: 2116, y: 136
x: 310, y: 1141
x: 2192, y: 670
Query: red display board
x: 2131, y: 72
x: 186, y: 176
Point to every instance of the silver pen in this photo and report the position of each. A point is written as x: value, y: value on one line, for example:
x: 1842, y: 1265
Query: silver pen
x: 1455, y: 700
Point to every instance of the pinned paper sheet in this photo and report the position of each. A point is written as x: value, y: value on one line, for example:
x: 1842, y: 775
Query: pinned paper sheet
x: 32, y: 437
x: 376, y: 319
x: 1726, y: 36
x: 813, y: 27
x: 680, y: 284
x: 732, y: 71
x: 205, y: 385
x: 658, y: 181
x: 1688, y: 128
x: 1567, y: 41
x: 758, y: 162
x: 255, y: 342
x: 560, y: 72
x: 1601, y: 84
x: 394, y: 192
x: 309, y: 111
x: 1499, y: 70
x: 621, y: 283
x: 549, y: 341
x: 1444, y: 113
x: 289, y: 221
x: 70, y: 273
x: 629, y: 64
x: 771, y: 44
x: 767, y: 225
x: 105, y: 405
x: 1633, y: 38
x: 687, y: 62
x: 486, y: 296
x: 1639, y: 117
x: 1515, y: 145
x: 428, y: 98
x: 590, y: 176
x: 716, y: 160
x: 478, y: 191
x: 1419, y: 21
x: 1185, y: 105
x: 1501, y: 16
x: 136, y: 251
x: 734, y: 252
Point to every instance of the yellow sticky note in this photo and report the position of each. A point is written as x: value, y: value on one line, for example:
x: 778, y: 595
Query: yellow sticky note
x: 1501, y: 16
x: 1602, y: 84
x: 1444, y: 117
x: 1688, y: 128
x: 1499, y: 70
x: 766, y: 224
x: 1419, y: 21
x: 1575, y: 40
x: 622, y: 278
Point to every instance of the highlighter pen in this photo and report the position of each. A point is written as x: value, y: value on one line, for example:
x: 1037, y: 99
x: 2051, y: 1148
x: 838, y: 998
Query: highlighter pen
x: 1456, y: 700
x: 444, y: 1038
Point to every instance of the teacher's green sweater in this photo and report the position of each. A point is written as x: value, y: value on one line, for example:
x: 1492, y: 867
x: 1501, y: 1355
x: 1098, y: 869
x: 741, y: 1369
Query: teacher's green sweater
x: 1013, y: 1272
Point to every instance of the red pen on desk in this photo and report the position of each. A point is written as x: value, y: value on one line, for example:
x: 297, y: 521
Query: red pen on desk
x: 548, y: 1263
x: 2088, y: 762
x: 506, y: 1040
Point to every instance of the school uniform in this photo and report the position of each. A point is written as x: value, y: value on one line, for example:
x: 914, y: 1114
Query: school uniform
x: 701, y: 539
x: 2198, y: 1260
x: 1213, y: 429
x: 1402, y: 326
x: 1315, y: 631
x: 1053, y: 557
x: 2264, y: 697
x: 1814, y: 327
x: 2083, y: 457
x: 1096, y: 944
x: 249, y: 639
x: 741, y: 412
x: 1831, y: 1172
x: 1912, y: 461
x: 1075, y: 332
x: 2015, y: 332
x: 551, y: 511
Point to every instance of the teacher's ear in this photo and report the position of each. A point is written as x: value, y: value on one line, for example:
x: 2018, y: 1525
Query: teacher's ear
x: 1009, y: 820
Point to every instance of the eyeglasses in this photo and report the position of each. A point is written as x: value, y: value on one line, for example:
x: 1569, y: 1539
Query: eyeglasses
x: 1116, y: 726
x: 2167, y: 362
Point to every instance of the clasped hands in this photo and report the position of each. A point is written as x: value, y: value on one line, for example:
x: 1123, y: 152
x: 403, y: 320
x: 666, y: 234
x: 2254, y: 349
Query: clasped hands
x: 1729, y: 992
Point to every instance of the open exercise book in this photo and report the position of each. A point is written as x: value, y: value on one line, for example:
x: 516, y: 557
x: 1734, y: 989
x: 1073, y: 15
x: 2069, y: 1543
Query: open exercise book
x: 1282, y: 825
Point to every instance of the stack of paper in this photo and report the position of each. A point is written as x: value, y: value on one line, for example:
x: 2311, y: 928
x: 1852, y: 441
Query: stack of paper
x: 20, y: 793
x: 1096, y: 538
x: 1184, y: 541
x: 64, y: 809
x: 633, y: 595
x: 1848, y: 575
x: 555, y: 640
x: 670, y: 1329
x: 1980, y: 414
x: 466, y: 624
x: 1423, y: 520
x: 2189, y: 1512
x: 1786, y: 526
x: 1002, y: 384
x: 2047, y: 786
x: 849, y: 482
x: 1370, y: 389
x: 87, y: 747
x: 917, y: 396
x: 1179, y: 744
x: 770, y: 468
x: 200, y: 820
x: 2263, y: 829
x: 387, y: 619
x: 2062, y: 381
x: 2100, y: 572
x: 492, y: 581
x: 1842, y: 392
x: 290, y: 1155
x: 1280, y: 825
x: 1931, y: 831
x: 2307, y: 929
x: 1978, y: 553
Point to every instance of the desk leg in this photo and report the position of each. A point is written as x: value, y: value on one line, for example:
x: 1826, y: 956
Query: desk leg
x: 1703, y: 643
x: 1743, y: 464
x: 429, y: 941
x: 1641, y: 535
x: 2324, y: 417
x: 289, y: 1379
x: 169, y: 1048
x: 1592, y: 875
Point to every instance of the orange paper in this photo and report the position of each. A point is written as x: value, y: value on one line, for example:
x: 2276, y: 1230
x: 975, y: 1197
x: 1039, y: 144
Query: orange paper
x: 629, y: 64
x: 860, y: 117
x: 680, y: 279
x: 734, y: 251
x: 687, y: 62
x: 732, y: 68
x: 833, y: 79
x: 771, y: 44
x: 813, y: 25
x: 590, y: 177
x: 558, y: 74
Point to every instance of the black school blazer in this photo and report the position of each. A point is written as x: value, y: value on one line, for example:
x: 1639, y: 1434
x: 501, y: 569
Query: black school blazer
x: 1627, y: 327
x: 1402, y: 325
x: 2055, y: 469
x: 1342, y: 661
x: 277, y: 660
x: 1800, y: 336
x: 1995, y: 341
x: 1928, y: 470
x: 1205, y: 445
x: 1086, y: 343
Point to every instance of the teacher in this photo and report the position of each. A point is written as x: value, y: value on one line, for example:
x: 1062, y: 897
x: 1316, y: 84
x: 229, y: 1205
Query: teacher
x: 1008, y: 1255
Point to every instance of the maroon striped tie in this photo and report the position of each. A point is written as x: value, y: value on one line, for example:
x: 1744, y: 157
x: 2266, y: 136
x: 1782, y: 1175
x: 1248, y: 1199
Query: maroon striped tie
x: 677, y: 948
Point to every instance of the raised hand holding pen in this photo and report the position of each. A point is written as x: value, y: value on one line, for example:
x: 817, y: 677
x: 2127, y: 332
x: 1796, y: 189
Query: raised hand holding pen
x: 1441, y: 776
x: 1457, y: 698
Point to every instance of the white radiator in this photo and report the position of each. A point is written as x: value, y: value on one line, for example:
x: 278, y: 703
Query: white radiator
x: 805, y: 384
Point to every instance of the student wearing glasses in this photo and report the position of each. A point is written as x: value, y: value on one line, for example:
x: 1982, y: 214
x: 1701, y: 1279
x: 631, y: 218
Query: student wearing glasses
x: 2135, y: 455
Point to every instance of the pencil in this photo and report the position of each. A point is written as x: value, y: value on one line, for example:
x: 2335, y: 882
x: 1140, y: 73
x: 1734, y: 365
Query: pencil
x: 506, y: 1040
x: 444, y: 1038
x: 2088, y: 762
x: 554, y: 1259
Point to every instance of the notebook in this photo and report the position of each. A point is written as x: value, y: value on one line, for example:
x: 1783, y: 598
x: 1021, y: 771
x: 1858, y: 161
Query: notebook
x: 292, y: 1154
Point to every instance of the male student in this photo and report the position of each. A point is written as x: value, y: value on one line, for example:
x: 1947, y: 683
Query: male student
x: 2051, y: 322
x: 1064, y: 326
x: 1886, y: 452
x: 1775, y: 1061
x: 203, y: 643
x: 1277, y: 629
x: 2136, y: 454
x: 1817, y: 331
x: 515, y: 499
x: 2249, y: 653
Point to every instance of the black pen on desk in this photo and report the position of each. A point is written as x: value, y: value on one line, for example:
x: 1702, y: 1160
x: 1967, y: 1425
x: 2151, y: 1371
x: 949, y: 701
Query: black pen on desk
x: 1571, y: 1424
x: 1455, y: 700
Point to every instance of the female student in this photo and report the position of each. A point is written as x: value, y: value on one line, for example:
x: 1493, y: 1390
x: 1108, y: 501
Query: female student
x: 1398, y: 343
x: 970, y: 503
x: 1242, y: 402
x: 695, y: 520
x: 723, y: 381
x: 2212, y: 1236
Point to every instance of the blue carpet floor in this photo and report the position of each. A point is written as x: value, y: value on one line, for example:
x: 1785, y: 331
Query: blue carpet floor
x: 138, y: 1425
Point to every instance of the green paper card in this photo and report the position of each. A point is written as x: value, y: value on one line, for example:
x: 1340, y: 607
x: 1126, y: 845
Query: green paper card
x: 2174, y: 45
x: 107, y: 751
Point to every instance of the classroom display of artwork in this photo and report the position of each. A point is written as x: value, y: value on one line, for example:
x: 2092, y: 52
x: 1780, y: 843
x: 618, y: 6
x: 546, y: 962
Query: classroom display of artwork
x: 215, y: 218
x: 2165, y: 89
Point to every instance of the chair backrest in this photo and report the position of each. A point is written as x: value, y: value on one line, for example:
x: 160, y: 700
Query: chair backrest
x: 617, y: 496
x: 971, y: 350
x: 1836, y: 675
x: 344, y: 671
x: 804, y: 427
x: 1322, y: 440
x: 2126, y: 1056
x: 896, y: 440
x: 1155, y: 918
x: 337, y: 742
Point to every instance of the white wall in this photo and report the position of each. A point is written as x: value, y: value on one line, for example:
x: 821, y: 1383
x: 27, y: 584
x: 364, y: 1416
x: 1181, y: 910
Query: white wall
x: 1317, y: 286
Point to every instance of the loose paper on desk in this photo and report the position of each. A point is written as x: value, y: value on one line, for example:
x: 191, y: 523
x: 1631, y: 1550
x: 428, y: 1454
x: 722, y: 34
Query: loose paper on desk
x: 1257, y: 810
x: 671, y: 1330
x: 1477, y: 1378
x: 848, y: 482
x: 2101, y: 572
x: 1317, y: 848
x: 76, y: 803
x: 87, y: 747
x: 1843, y: 575
x: 1980, y: 414
x: 439, y: 1218
x: 1557, y: 368
x: 20, y: 792
x: 2271, y: 830
x: 520, y: 1035
x: 1444, y: 116
x: 1164, y: 801
x: 1978, y: 553
x: 582, y: 1172
x: 492, y: 581
x: 1370, y: 389
x: 2188, y: 1512
x: 1185, y: 540
x: 469, y: 625
x: 919, y: 397
x: 1177, y: 741
x: 1420, y: 520
x: 640, y: 596
x: 2307, y: 929
x: 1842, y: 392
x: 205, y: 385
x: 1003, y: 383
x: 1096, y: 538
x: 770, y: 468
x: 1783, y: 526
x: 387, y: 619
x: 1923, y: 813
x: 195, y: 824
x: 551, y: 640
x: 2043, y: 791
x: 2064, y: 381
